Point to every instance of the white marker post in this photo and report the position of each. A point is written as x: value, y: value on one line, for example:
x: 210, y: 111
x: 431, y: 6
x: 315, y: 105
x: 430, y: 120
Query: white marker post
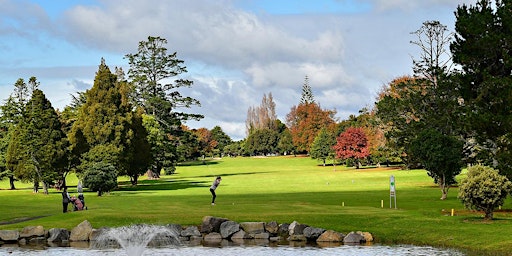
x: 392, y: 190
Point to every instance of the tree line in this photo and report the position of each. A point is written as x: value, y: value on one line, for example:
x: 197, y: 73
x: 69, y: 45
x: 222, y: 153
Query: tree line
x: 453, y: 111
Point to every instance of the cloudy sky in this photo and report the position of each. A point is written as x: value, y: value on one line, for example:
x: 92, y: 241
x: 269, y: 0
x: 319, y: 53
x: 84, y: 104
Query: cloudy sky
x: 235, y: 50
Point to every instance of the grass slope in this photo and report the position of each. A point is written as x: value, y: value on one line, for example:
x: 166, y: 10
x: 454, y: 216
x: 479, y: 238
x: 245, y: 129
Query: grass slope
x: 283, y: 189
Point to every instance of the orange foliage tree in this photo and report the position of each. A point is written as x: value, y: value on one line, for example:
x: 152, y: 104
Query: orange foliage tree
x: 305, y: 121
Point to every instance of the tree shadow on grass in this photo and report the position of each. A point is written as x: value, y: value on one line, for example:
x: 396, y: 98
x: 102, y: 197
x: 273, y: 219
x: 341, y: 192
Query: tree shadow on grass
x: 198, y: 163
x: 160, y: 184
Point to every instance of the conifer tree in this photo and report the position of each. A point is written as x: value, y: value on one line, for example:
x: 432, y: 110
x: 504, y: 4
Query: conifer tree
x: 38, y: 148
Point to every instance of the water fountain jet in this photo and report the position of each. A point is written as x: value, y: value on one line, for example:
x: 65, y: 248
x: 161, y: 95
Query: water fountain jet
x: 135, y: 238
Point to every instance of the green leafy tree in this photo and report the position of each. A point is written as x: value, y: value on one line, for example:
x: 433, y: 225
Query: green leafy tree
x: 285, y: 144
x: 482, y: 47
x: 221, y: 137
x: 441, y: 156
x: 484, y: 189
x: 262, y: 142
x: 38, y: 151
x: 150, y: 67
x: 100, y: 176
x: 429, y: 100
x: 322, y: 147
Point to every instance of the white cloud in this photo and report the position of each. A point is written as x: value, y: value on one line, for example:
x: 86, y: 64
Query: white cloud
x: 234, y: 56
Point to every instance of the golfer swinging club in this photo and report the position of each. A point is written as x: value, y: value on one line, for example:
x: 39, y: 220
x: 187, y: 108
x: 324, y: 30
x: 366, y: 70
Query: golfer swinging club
x: 214, y: 186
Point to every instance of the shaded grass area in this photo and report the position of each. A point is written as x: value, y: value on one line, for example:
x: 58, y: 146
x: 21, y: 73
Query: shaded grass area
x: 283, y: 189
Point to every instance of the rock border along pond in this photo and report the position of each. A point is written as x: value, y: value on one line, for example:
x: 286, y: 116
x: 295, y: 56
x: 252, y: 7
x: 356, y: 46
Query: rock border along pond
x: 212, y: 231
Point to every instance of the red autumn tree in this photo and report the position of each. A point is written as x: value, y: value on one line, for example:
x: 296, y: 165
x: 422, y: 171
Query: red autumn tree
x: 352, y: 143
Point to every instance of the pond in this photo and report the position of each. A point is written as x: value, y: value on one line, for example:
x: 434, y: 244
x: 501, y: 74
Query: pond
x: 346, y: 250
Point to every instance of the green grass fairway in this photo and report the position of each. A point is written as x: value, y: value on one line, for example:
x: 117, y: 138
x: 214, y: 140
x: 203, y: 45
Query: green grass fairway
x: 282, y: 189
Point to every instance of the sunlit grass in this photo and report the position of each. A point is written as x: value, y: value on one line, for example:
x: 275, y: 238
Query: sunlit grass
x: 283, y: 189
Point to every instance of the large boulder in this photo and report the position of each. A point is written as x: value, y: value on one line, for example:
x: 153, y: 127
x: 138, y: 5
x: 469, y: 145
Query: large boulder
x: 228, y: 228
x: 354, y: 238
x: 211, y: 224
x: 81, y: 232
x: 296, y: 228
x: 9, y: 236
x: 312, y: 233
x: 253, y: 227
x: 330, y: 236
x: 56, y: 235
x: 32, y: 231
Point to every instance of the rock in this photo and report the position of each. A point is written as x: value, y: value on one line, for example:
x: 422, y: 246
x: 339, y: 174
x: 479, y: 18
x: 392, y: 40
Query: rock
x: 32, y: 231
x: 37, y: 240
x: 353, y: 238
x: 9, y: 236
x: 213, y: 237
x: 296, y: 228
x: 240, y: 235
x: 272, y: 227
x: 264, y: 235
x: 312, y: 233
x: 81, y: 232
x: 191, y: 231
x: 367, y: 236
x: 297, y: 238
x: 228, y: 228
x: 330, y: 236
x: 58, y: 235
x: 253, y: 227
x: 283, y: 229
x: 211, y: 224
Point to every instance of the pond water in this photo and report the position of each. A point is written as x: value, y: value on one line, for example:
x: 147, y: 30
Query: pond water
x: 346, y: 250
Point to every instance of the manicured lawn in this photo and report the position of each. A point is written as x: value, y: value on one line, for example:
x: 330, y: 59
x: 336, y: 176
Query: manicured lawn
x: 283, y: 189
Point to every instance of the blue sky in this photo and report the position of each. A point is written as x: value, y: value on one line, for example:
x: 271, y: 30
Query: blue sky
x: 235, y: 50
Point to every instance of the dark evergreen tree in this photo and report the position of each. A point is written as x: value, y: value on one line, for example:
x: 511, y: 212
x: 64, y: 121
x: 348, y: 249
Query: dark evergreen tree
x: 109, y: 130
x: 38, y: 151
x: 482, y: 48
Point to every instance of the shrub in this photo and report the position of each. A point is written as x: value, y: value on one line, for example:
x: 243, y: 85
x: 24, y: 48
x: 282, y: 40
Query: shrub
x: 484, y: 189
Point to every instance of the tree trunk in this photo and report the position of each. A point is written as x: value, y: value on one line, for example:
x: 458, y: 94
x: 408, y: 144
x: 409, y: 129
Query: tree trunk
x: 444, y: 187
x: 11, y: 182
x: 324, y: 162
x: 36, y: 187
x: 488, y: 214
x: 99, y: 192
x: 134, y: 179
x: 45, y: 188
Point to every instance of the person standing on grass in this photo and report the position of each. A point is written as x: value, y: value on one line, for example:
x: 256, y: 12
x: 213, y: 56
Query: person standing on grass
x: 214, y: 186
x: 65, y: 199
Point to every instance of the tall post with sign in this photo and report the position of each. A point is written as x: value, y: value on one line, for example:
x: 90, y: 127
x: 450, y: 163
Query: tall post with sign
x: 392, y: 191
